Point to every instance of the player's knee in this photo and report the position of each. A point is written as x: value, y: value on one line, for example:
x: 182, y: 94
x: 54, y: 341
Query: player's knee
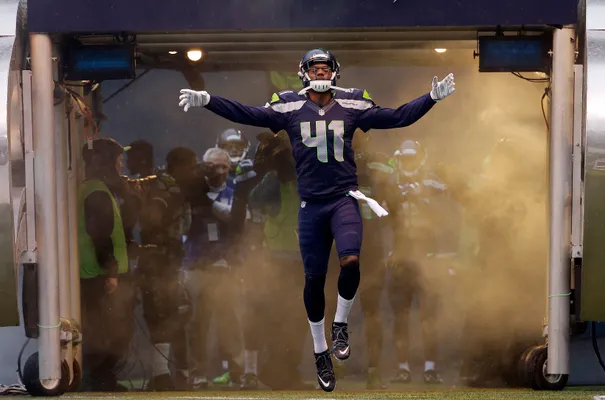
x: 349, y: 262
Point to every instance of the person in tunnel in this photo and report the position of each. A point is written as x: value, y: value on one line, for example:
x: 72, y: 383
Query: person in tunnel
x: 107, y: 298
x: 276, y: 197
x: 165, y: 303
x: 209, y: 275
x: 248, y: 253
x: 414, y: 272
x: 374, y: 174
x: 320, y: 121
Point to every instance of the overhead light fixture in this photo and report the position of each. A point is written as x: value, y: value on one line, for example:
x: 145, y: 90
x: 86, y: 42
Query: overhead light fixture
x: 440, y: 50
x: 195, y: 55
x: 172, y: 52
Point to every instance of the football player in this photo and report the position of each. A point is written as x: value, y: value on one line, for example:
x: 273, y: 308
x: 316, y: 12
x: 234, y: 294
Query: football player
x: 416, y: 207
x: 320, y: 121
x: 165, y: 305
x: 246, y: 227
x: 235, y: 143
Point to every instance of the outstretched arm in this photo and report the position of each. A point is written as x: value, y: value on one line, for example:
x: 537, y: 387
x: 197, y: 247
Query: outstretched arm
x: 388, y: 118
x: 264, y: 117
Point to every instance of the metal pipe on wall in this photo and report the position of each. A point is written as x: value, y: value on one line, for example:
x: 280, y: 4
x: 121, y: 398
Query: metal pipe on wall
x: 560, y: 151
x: 72, y: 198
x: 46, y: 209
x: 62, y: 218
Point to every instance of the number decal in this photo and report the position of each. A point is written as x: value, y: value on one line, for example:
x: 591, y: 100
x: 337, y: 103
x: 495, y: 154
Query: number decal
x: 320, y: 139
x: 338, y: 127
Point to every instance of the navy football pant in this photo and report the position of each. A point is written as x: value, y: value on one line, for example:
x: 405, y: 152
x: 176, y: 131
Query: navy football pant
x: 319, y: 225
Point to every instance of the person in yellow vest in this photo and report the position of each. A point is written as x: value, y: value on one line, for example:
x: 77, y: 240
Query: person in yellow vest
x: 106, y: 295
x: 277, y: 197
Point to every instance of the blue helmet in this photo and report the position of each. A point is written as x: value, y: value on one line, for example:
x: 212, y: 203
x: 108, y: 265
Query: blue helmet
x: 236, y: 144
x: 318, y: 56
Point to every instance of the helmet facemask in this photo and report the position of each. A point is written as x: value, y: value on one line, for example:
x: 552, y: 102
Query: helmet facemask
x: 319, y: 85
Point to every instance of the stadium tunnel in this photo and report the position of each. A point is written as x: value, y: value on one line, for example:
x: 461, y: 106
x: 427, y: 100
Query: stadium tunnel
x: 52, y: 86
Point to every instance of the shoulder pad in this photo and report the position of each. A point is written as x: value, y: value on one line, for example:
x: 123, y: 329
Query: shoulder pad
x: 244, y: 166
x: 381, y: 167
x: 283, y: 97
x: 244, y: 171
x: 355, y: 94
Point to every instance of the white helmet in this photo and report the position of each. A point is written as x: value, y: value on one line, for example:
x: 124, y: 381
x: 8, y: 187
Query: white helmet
x: 410, y: 158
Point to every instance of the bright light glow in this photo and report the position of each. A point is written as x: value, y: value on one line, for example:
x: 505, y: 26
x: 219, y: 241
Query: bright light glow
x: 440, y: 50
x: 172, y: 52
x: 195, y: 55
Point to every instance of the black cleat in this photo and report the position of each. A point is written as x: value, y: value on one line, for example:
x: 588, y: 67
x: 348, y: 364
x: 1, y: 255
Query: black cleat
x: 325, y: 371
x: 249, y: 382
x: 402, y: 376
x: 432, y: 377
x: 340, y: 341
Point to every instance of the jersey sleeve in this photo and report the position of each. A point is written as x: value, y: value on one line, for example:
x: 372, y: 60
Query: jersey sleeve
x: 376, y: 117
x: 268, y: 116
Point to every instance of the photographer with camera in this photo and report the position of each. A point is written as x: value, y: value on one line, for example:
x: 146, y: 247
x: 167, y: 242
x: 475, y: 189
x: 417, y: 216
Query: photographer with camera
x: 209, y: 278
x: 160, y: 215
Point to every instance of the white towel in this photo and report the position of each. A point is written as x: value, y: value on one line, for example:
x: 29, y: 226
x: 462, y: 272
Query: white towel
x: 374, y: 206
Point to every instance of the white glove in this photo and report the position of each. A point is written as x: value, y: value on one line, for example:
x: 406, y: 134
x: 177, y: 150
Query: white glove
x: 190, y: 98
x: 444, y: 88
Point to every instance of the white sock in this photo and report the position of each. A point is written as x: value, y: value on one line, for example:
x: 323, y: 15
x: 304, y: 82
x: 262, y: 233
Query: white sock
x: 225, y: 364
x: 184, y: 372
x: 404, y: 365
x: 429, y: 366
x: 319, y: 336
x: 250, y: 362
x: 160, y: 359
x: 343, y: 308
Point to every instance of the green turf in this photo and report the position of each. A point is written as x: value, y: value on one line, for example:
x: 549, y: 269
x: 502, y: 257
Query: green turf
x: 446, y: 394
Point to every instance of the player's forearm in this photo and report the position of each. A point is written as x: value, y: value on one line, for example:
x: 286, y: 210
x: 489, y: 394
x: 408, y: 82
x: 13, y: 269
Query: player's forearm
x: 405, y: 115
x: 239, y: 113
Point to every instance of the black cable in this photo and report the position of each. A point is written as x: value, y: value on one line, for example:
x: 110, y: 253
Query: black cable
x: 19, y: 371
x: 533, y: 80
x: 546, y: 94
x: 151, y: 341
x: 114, y: 94
x: 595, y: 345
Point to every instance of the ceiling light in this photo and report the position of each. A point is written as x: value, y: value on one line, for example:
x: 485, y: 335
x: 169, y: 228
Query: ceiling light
x: 195, y: 55
x: 172, y: 52
x: 440, y: 50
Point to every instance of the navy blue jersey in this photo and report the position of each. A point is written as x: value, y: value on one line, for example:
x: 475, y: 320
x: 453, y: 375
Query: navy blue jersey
x: 322, y: 137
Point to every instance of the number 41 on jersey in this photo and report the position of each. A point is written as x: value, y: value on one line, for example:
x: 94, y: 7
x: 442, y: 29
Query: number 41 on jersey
x: 320, y: 139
